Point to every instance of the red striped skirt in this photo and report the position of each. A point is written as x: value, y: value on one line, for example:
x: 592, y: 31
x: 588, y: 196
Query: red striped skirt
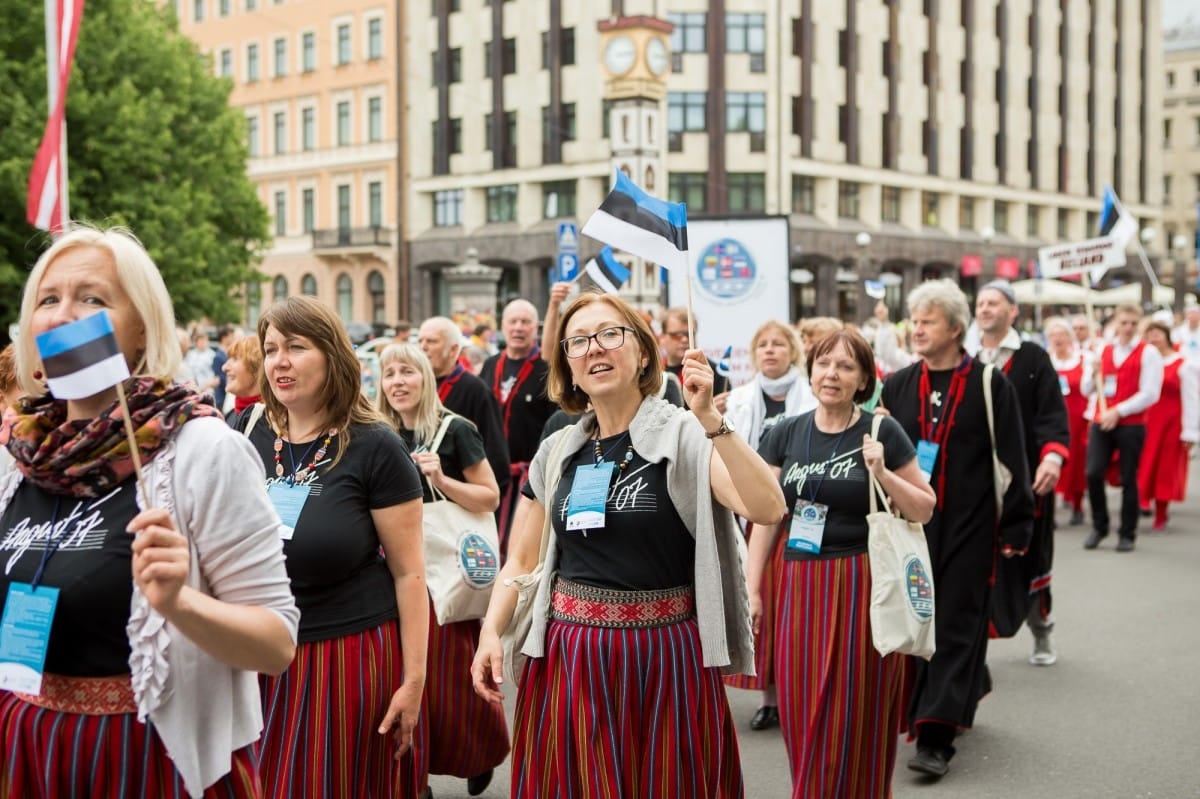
x: 623, y: 712
x: 467, y: 734
x: 764, y: 639
x: 322, y: 718
x: 55, y: 754
x: 839, y: 701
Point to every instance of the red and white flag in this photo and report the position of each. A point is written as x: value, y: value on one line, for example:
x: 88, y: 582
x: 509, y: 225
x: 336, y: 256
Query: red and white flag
x: 44, y: 206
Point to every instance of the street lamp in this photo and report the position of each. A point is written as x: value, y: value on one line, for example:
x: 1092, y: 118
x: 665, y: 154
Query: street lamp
x: 862, y: 240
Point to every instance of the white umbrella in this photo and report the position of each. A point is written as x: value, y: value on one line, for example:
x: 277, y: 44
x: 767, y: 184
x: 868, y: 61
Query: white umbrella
x: 1049, y: 292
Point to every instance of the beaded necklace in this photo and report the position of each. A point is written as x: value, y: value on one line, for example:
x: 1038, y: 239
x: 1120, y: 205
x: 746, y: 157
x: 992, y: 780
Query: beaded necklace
x: 302, y: 474
x: 600, y: 457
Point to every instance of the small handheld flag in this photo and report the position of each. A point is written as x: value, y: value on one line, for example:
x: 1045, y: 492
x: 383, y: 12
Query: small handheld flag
x: 724, y: 368
x: 1115, y: 221
x: 607, y: 272
x: 82, y: 358
x: 875, y: 289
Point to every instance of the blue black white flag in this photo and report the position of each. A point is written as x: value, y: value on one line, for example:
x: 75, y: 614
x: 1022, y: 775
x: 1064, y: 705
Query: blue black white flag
x: 607, y: 272
x: 82, y: 358
x: 631, y: 220
x: 1115, y: 221
x: 724, y: 366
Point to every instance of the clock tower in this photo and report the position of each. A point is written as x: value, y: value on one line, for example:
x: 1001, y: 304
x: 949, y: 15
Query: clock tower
x: 636, y: 62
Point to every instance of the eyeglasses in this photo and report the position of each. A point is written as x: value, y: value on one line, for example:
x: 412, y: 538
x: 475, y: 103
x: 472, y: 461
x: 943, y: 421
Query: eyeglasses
x: 610, y: 338
x: 678, y: 335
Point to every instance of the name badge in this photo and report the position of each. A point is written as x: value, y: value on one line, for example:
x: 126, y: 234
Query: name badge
x: 1110, y: 386
x: 1064, y: 386
x: 808, y: 526
x: 927, y: 453
x: 288, y: 499
x: 25, y: 636
x: 589, y: 494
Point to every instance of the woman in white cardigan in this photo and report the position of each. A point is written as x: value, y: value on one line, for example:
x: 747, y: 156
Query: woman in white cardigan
x: 148, y: 687
x: 779, y: 389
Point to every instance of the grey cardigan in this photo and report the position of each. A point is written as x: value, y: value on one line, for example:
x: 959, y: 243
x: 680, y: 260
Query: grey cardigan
x: 661, y: 431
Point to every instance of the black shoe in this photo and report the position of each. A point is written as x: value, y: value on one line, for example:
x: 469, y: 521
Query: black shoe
x: 479, y: 783
x: 1145, y: 512
x: 1125, y: 544
x: 765, y: 718
x: 1094, y: 539
x: 932, y: 760
x: 1076, y: 518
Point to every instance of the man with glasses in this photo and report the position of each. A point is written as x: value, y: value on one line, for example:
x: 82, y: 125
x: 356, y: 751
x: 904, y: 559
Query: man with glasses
x: 674, y: 343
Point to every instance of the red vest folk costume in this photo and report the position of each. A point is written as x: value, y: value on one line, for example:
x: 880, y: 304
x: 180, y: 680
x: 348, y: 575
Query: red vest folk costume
x: 1127, y: 374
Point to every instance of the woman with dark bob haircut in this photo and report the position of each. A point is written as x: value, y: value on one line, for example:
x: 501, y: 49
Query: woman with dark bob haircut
x: 839, y: 701
x: 642, y: 602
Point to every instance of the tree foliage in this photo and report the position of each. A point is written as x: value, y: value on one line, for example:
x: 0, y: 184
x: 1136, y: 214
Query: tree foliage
x: 152, y: 144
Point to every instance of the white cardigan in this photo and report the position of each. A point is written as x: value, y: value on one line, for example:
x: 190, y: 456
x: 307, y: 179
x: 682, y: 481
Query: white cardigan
x: 211, y: 481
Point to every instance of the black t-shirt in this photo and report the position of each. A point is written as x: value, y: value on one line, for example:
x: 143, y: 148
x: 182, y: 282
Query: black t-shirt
x: 91, y: 568
x: 644, y: 545
x: 341, y: 582
x: 524, y: 407
x: 775, y: 413
x: 837, y: 479
x: 460, y: 449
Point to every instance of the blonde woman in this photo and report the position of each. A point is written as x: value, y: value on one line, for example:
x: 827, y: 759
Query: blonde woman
x: 468, y: 736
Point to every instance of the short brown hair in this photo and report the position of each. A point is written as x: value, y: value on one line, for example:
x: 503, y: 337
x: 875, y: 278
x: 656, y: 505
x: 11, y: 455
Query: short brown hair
x: 8, y: 369
x: 559, y: 385
x: 859, y: 350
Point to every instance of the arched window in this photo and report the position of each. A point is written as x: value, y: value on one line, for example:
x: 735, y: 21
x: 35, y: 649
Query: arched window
x: 345, y: 297
x: 253, y: 303
x: 308, y: 286
x: 280, y: 288
x: 375, y: 288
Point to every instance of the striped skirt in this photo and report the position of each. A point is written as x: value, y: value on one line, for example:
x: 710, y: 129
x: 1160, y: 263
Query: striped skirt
x: 55, y: 754
x: 839, y: 701
x: 623, y: 713
x: 764, y: 639
x: 467, y: 734
x: 321, y: 722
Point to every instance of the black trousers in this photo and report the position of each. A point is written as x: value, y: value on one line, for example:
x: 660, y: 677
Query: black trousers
x: 1126, y: 440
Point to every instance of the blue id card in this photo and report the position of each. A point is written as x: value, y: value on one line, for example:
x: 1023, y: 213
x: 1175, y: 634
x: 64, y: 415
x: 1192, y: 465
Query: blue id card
x: 808, y: 526
x: 927, y: 453
x: 1064, y: 386
x: 25, y: 636
x: 589, y: 494
x: 288, y: 499
x: 1110, y: 385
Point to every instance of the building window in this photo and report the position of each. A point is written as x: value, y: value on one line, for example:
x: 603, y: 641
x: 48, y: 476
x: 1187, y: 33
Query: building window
x: 1031, y: 222
x: 564, y: 126
x: 281, y: 213
x: 455, y: 65
x: 566, y: 47
x: 343, y: 123
x: 1166, y: 188
x: 689, y: 34
x: 345, y: 297
x: 1062, y: 224
x: 746, y: 111
x: 374, y: 39
x: 848, y: 200
x: 889, y: 204
x: 251, y: 63
x: 509, y: 143
x: 308, y: 52
x: 966, y: 213
x: 375, y: 119
x: 251, y: 5
x: 746, y: 33
x: 375, y: 288
x: 224, y: 8
x: 308, y: 129
x: 253, y: 302
x: 508, y: 57
x: 226, y: 63
x: 502, y: 203
x: 375, y: 203
x: 280, y: 57
x: 690, y: 188
x: 308, y: 208
x: 280, y: 121
x: 804, y: 194
x: 280, y: 288
x: 747, y: 192
x: 447, y: 208
x: 1166, y: 134
x: 1000, y: 216
x: 929, y: 209
x: 558, y: 199
x: 308, y: 286
x: 686, y: 112
x: 198, y: 11
x: 252, y: 136
x: 343, y: 210
x: 343, y: 44
x: 454, y: 145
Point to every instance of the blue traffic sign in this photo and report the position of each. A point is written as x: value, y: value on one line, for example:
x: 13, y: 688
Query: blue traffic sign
x: 568, y: 266
x: 568, y: 237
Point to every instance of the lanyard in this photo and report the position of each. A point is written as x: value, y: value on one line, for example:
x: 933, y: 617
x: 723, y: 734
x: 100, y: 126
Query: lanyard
x: 49, y: 551
x: 598, y: 458
x: 447, y: 384
x: 522, y: 376
x: 292, y: 456
x: 812, y: 422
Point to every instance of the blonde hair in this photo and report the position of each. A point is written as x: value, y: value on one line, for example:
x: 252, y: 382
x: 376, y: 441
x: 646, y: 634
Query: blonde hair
x: 429, y: 407
x: 137, y: 276
x: 1056, y: 323
x: 789, y: 335
x: 247, y: 350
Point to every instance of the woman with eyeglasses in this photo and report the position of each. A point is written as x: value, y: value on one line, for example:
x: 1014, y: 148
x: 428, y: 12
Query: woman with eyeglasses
x: 643, y: 601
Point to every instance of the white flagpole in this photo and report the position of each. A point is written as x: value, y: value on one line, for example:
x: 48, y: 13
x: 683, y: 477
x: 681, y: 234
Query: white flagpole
x: 1141, y: 251
x: 52, y: 88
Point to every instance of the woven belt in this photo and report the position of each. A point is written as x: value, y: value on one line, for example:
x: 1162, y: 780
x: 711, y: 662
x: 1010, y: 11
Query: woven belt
x: 608, y: 607
x: 89, y: 696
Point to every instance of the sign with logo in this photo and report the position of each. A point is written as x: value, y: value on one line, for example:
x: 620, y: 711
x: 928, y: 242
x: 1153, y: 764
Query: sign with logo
x: 477, y: 561
x: 1096, y: 256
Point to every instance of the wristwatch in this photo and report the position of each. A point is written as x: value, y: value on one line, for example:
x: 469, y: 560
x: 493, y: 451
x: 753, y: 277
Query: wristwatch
x: 725, y: 427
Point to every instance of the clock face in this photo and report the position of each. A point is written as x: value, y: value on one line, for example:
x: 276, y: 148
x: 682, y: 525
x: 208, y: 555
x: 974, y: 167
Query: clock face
x: 619, y: 55
x: 656, y: 56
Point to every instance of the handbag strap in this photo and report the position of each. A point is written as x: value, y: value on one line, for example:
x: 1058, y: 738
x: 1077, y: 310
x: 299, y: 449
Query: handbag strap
x: 438, y: 496
x: 987, y: 403
x: 256, y: 412
x: 553, y: 473
x: 875, y: 488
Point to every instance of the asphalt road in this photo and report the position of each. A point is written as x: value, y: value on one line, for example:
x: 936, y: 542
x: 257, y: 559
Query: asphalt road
x: 1118, y: 715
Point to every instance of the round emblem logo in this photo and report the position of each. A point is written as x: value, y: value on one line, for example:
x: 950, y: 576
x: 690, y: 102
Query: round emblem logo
x: 919, y: 589
x: 810, y: 514
x: 726, y: 270
x: 477, y: 560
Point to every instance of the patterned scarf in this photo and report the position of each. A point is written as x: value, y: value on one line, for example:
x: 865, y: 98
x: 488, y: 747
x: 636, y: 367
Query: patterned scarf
x: 89, y: 457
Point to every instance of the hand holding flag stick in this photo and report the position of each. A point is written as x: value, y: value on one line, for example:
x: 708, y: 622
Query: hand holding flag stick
x: 82, y: 359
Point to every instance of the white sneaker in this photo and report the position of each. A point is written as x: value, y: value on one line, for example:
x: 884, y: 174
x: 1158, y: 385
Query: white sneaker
x: 1043, y: 649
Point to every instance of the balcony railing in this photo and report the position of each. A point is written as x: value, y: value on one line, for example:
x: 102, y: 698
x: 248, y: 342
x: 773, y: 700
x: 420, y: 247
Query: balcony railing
x: 340, y: 238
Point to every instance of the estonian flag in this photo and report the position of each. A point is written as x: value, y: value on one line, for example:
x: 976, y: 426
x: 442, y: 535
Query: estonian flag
x: 1115, y: 221
x: 631, y: 220
x: 82, y: 359
x: 607, y: 272
x: 724, y: 368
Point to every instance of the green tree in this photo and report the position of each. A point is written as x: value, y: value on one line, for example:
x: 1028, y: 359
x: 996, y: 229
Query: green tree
x: 152, y: 144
